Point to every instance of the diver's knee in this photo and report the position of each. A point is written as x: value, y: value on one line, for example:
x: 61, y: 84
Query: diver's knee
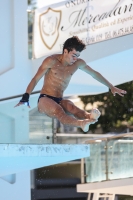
x: 58, y: 112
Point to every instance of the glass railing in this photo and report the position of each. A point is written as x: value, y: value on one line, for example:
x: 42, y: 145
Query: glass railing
x: 110, y: 158
x: 95, y: 166
x: 120, y: 158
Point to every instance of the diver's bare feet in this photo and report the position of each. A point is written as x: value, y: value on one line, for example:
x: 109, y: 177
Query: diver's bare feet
x: 92, y: 118
x: 86, y: 123
x: 95, y: 114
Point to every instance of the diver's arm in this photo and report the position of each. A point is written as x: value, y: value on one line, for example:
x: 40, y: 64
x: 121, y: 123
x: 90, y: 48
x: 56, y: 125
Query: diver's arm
x: 96, y: 75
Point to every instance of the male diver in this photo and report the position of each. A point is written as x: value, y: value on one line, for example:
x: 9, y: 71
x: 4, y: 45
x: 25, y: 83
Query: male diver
x: 58, y: 70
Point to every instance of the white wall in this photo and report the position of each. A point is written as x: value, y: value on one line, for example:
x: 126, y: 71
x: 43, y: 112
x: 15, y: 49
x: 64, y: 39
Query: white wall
x: 15, y: 68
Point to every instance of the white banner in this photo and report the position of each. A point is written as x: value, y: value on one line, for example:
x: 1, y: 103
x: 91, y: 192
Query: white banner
x: 91, y: 20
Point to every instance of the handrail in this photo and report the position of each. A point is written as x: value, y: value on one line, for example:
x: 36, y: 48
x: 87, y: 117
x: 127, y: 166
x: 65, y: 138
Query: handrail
x: 81, y: 135
x: 108, y: 138
x: 96, y: 139
x: 16, y: 96
x: 20, y: 95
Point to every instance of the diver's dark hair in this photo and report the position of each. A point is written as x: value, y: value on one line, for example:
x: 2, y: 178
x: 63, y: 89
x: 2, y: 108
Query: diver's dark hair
x: 74, y: 43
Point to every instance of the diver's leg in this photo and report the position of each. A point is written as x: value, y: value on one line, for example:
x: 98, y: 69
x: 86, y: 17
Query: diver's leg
x: 69, y: 106
x: 54, y: 110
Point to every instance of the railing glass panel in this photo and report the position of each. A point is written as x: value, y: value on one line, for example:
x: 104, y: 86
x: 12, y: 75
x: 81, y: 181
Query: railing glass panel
x: 95, y: 166
x: 23, y: 124
x: 120, y: 158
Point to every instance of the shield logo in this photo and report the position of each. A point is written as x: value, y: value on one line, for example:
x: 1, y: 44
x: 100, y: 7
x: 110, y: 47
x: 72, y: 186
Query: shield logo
x: 49, y: 23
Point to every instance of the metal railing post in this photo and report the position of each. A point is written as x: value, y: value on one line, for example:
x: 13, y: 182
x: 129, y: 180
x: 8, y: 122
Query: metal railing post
x: 82, y: 171
x: 106, y: 160
x: 54, y: 140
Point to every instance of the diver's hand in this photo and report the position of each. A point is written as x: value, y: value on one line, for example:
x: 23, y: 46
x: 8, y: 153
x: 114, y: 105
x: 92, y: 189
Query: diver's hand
x: 24, y: 100
x: 115, y: 90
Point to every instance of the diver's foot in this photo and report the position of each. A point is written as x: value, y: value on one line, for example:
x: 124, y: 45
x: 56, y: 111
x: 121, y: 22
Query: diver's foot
x: 95, y: 114
x: 86, y: 123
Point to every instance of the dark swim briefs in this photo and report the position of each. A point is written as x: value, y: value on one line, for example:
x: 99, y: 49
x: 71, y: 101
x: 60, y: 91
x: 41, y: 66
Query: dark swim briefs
x: 56, y: 99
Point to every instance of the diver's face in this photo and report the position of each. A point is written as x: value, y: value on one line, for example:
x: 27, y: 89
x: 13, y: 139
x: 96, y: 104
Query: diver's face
x: 71, y: 56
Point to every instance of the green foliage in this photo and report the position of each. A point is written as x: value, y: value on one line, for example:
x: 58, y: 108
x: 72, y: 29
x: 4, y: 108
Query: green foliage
x: 117, y: 111
x: 124, y: 197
